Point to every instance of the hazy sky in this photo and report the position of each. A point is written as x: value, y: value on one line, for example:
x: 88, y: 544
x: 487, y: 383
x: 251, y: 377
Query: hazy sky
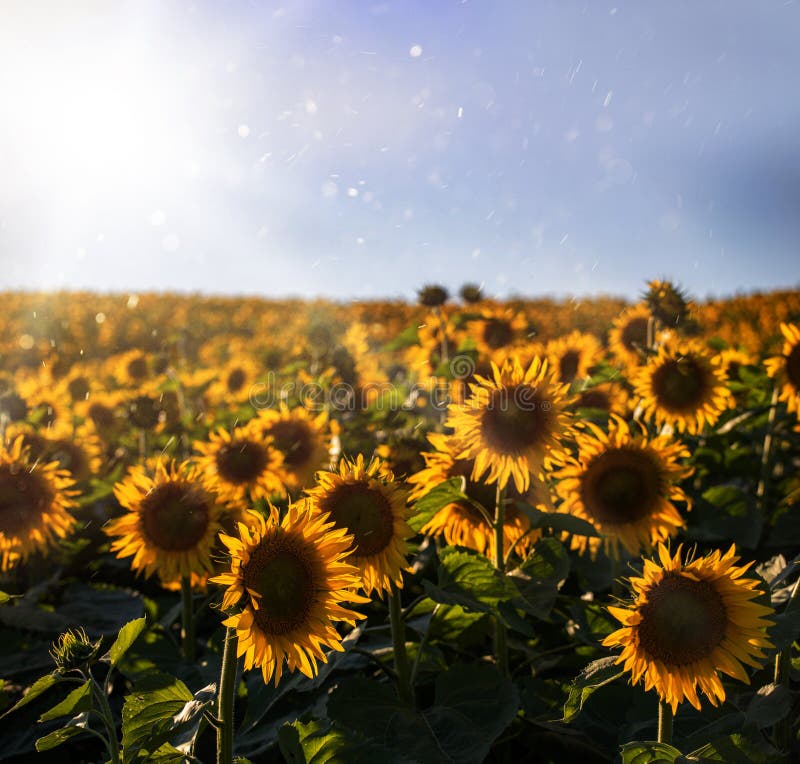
x: 357, y: 149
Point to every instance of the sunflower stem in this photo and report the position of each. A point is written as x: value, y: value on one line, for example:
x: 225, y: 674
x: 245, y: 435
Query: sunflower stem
x: 783, y: 666
x: 401, y: 666
x: 500, y: 643
x: 766, y: 452
x: 187, y: 619
x: 227, y: 685
x: 108, y: 719
x: 664, y: 722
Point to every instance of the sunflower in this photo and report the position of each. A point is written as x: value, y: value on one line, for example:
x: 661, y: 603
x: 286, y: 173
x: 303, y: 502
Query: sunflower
x: 35, y: 499
x: 610, y: 397
x: 627, y: 339
x: 573, y: 355
x: 130, y: 369
x: 512, y: 424
x: 689, y: 621
x: 731, y: 360
x: 294, y: 580
x: 786, y: 367
x: 233, y: 382
x: 498, y: 329
x: 171, y: 522
x: 680, y: 386
x: 302, y: 439
x: 365, y: 500
x: 241, y: 464
x: 624, y: 485
x: 460, y: 523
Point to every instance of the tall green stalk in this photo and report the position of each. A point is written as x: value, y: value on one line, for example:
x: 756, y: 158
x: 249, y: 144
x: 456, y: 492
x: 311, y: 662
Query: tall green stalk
x: 187, y: 619
x: 664, y: 722
x: 500, y: 641
x: 401, y: 665
x: 227, y: 687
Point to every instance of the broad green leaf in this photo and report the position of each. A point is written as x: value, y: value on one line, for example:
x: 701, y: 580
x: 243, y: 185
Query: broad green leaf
x: 735, y: 749
x: 649, y: 752
x: 56, y: 738
x: 549, y: 560
x: 769, y: 705
x: 319, y: 742
x: 80, y: 699
x: 472, y: 706
x: 435, y: 500
x: 470, y: 580
x: 558, y: 521
x: 41, y: 685
x: 597, y: 674
x: 128, y: 634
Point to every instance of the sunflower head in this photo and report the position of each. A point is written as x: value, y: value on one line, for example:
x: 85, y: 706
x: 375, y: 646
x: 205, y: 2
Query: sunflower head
x: 35, y: 499
x: 786, y: 367
x: 471, y: 293
x: 365, y: 500
x: 171, y: 521
x: 512, y: 424
x: 432, y: 295
x: 241, y: 465
x: 689, y: 621
x: 668, y: 303
x: 625, y: 485
x: 288, y: 582
x: 682, y: 387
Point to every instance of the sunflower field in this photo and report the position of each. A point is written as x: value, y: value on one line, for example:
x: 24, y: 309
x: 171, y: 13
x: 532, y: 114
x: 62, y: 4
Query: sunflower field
x: 461, y: 530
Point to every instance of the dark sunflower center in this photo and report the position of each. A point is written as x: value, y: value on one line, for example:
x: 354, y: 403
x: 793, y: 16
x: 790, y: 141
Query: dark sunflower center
x: 680, y: 385
x: 282, y: 573
x: 137, y: 368
x: 621, y: 486
x: 497, y: 333
x: 78, y: 388
x: 24, y: 497
x: 241, y: 461
x: 634, y: 333
x: 175, y: 516
x: 594, y: 399
x: 682, y: 622
x: 365, y: 512
x: 793, y: 367
x: 236, y: 380
x: 102, y: 416
x: 294, y: 441
x: 516, y: 419
x: 70, y: 457
x: 568, y: 366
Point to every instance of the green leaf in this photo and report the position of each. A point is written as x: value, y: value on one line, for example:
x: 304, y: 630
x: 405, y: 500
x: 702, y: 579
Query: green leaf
x: 319, y: 742
x: 435, y: 500
x: 41, y: 685
x: 769, y: 705
x: 472, y: 706
x: 408, y: 337
x: 735, y: 749
x: 54, y: 739
x: 597, y: 674
x: 128, y: 634
x: 649, y: 752
x: 549, y: 560
x: 80, y: 699
x: 468, y: 579
x: 558, y: 521
x: 148, y: 716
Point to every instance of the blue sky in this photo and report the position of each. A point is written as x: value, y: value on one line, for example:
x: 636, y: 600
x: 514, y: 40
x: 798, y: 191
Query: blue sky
x: 357, y: 149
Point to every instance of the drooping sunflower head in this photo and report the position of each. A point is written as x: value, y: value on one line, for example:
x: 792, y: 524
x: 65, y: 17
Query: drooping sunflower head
x: 628, y: 337
x: 668, y: 303
x: 303, y: 440
x: 512, y: 424
x: 461, y: 523
x: 241, y: 464
x: 433, y: 295
x: 786, y: 367
x: 171, y: 521
x: 35, y: 499
x: 471, y: 293
x: 680, y: 386
x: 365, y: 500
x: 291, y: 580
x: 625, y: 485
x: 573, y: 355
x: 687, y: 622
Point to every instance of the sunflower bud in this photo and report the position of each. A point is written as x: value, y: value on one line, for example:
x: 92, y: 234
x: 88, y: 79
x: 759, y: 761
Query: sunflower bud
x: 433, y: 295
x: 74, y: 650
x: 668, y: 303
